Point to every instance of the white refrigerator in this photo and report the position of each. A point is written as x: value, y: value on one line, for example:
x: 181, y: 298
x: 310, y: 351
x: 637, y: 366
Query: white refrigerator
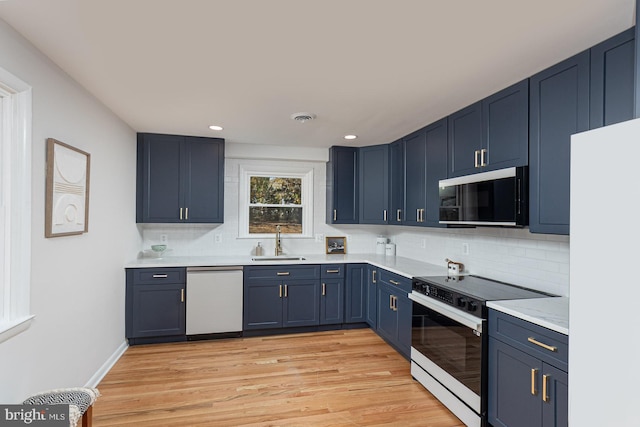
x: 604, y: 292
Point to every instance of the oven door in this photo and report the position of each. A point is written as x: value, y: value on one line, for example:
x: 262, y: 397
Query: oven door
x: 447, y: 344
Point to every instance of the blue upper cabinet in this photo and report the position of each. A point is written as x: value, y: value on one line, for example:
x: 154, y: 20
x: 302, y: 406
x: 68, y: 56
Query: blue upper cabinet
x: 179, y: 179
x: 396, y: 183
x: 465, y: 140
x: 505, y: 127
x: 490, y: 134
x: 559, y: 108
x: 612, y: 80
x: 342, y: 186
x: 425, y: 165
x: 374, y: 184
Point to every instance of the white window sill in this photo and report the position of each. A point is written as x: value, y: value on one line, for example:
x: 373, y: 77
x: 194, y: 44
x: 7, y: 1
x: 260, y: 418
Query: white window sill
x: 13, y: 328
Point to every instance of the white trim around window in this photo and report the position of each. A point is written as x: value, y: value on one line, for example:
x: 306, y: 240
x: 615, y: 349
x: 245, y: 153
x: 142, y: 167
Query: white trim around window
x: 279, y: 169
x: 15, y: 205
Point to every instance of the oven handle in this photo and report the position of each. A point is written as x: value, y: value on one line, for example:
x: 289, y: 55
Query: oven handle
x: 459, y: 316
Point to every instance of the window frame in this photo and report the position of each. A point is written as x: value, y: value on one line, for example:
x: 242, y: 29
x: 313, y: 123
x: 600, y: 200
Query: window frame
x: 280, y: 170
x: 15, y: 203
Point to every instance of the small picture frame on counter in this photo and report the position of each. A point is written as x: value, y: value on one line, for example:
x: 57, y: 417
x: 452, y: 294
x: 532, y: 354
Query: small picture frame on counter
x: 336, y: 245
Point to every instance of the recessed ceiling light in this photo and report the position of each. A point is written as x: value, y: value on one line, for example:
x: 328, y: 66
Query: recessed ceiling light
x: 215, y: 127
x: 350, y: 136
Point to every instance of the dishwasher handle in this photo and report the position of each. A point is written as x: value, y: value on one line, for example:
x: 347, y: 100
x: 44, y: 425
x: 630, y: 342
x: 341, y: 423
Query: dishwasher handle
x: 223, y: 268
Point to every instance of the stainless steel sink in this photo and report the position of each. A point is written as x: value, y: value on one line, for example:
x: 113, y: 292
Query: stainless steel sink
x: 278, y: 258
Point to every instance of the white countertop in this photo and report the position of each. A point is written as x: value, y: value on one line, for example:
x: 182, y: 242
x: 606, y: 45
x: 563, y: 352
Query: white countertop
x: 400, y: 265
x: 551, y: 313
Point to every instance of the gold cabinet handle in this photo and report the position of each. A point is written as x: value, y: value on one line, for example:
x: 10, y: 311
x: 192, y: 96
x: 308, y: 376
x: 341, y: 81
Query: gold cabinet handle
x: 286, y: 291
x: 280, y: 291
x: 534, y: 373
x: 395, y: 303
x: 393, y: 282
x: 482, y: 154
x: 373, y: 276
x: 543, y: 345
x: 545, y: 388
x: 390, y: 302
x: 333, y: 271
x: 476, y: 158
x: 324, y: 289
x: 182, y: 295
x: 180, y: 214
x: 186, y: 213
x: 335, y: 214
x: 282, y: 273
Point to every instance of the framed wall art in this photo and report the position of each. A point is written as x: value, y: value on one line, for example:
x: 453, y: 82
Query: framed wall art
x: 67, y: 190
x: 336, y: 245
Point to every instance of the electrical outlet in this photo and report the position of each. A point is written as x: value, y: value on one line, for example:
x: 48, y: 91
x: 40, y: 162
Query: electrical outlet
x: 319, y: 238
x: 217, y: 238
x: 465, y: 249
x: 163, y: 239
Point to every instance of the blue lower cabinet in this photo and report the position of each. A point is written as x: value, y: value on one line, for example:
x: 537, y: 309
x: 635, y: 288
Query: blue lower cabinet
x: 331, y: 301
x: 525, y: 388
x: 394, y: 311
x: 355, y: 307
x: 281, y: 297
x: 155, y: 305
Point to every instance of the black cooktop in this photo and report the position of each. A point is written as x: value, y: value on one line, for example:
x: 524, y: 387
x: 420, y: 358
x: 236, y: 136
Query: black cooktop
x: 481, y: 289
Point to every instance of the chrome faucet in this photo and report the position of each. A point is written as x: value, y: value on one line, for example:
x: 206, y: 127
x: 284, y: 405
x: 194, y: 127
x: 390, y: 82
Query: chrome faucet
x: 278, y: 241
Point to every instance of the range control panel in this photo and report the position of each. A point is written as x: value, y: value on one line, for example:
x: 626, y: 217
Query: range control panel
x: 455, y: 299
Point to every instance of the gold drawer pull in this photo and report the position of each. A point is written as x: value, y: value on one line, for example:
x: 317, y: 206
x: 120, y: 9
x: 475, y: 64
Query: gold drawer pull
x: 282, y: 273
x: 543, y: 345
x: 393, y: 282
x: 333, y: 271
x: 534, y: 372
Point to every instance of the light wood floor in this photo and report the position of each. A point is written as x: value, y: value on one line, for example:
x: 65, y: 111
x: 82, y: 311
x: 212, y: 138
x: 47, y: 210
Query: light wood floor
x: 336, y: 378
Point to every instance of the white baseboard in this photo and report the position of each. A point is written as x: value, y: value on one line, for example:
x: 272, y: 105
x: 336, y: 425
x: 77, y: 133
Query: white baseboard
x: 106, y: 367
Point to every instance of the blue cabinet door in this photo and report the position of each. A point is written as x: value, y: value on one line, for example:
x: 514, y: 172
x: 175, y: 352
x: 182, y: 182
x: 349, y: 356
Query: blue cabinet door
x: 404, y: 309
x: 612, y: 80
x: 158, y: 310
x: 203, y: 184
x: 515, y: 387
x: 372, y: 297
x: 505, y: 125
x: 159, y: 172
x: 555, y: 404
x: 301, y: 303
x: 342, y: 186
x: 436, y: 169
x: 179, y: 179
x: 387, y: 316
x: 465, y: 140
x: 356, y: 291
x: 396, y: 182
x: 415, y: 177
x: 331, y: 301
x: 262, y: 306
x: 559, y: 107
x: 374, y: 184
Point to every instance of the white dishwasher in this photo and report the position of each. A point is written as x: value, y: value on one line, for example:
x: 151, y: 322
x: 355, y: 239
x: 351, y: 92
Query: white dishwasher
x: 214, y: 301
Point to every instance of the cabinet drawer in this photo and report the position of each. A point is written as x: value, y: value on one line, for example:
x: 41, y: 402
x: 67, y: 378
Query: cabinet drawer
x: 328, y: 271
x: 155, y: 276
x: 282, y: 272
x: 549, y: 346
x: 395, y: 280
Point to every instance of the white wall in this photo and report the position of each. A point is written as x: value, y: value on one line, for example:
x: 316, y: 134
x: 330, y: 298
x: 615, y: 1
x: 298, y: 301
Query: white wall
x: 77, y: 289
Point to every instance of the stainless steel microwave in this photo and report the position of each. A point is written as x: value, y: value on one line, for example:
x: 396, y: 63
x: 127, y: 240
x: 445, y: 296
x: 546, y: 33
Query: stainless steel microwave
x: 498, y: 198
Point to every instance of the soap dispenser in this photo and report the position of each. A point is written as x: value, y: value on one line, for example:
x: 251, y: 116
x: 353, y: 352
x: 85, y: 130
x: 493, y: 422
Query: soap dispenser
x: 259, y: 249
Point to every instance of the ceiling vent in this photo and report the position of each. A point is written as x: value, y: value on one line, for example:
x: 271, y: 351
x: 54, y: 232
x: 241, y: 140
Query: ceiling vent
x: 303, y: 117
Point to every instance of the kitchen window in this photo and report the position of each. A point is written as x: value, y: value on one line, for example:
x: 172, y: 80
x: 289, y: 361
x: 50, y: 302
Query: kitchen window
x: 15, y: 205
x: 272, y: 195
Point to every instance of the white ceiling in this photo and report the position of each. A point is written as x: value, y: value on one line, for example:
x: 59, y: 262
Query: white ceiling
x: 376, y: 68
